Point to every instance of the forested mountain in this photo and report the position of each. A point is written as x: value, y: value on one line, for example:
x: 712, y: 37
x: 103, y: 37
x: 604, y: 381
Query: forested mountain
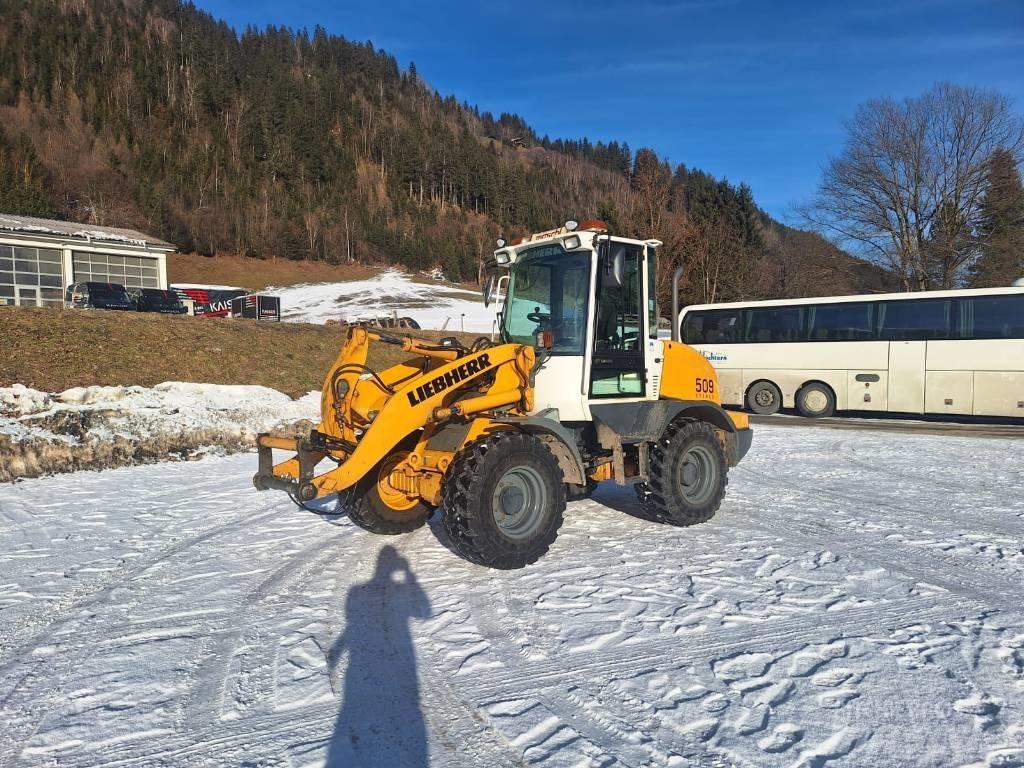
x: 151, y: 113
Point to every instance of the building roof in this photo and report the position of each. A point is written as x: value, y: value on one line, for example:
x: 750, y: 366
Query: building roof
x: 29, y: 225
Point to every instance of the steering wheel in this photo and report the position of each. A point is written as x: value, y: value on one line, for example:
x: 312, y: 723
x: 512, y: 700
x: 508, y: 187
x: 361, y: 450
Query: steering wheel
x: 538, y: 317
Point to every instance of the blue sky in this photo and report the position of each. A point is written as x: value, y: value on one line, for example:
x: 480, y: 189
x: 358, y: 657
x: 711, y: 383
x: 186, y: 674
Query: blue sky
x: 753, y: 91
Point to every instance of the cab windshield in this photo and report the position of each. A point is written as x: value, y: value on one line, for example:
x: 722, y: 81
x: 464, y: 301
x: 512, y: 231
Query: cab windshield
x: 548, y: 291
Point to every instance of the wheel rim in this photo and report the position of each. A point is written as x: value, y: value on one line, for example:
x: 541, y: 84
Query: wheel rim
x: 764, y: 397
x: 393, y: 497
x: 518, y: 502
x: 815, y: 401
x: 698, y: 475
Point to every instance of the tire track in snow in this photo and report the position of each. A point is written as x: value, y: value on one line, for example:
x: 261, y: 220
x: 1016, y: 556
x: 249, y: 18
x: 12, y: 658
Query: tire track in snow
x: 986, y: 588
x: 791, y: 631
x: 101, y: 589
x: 478, y: 742
x: 572, y: 686
x: 41, y: 685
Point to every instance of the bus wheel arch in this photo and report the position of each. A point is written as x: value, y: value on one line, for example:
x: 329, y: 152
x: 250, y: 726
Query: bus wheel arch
x: 815, y: 400
x: 764, y: 397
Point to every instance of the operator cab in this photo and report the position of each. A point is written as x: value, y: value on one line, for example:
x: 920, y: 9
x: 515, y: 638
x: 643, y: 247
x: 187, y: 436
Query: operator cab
x: 587, y: 302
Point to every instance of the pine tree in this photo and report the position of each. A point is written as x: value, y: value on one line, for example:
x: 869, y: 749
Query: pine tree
x: 1001, y: 232
x: 23, y: 180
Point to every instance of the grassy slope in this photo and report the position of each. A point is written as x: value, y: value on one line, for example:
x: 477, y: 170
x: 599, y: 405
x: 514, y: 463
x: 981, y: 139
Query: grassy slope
x: 53, y: 349
x: 256, y: 274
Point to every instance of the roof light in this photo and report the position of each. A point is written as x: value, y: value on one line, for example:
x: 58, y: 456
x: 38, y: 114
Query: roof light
x: 594, y: 224
x: 571, y: 225
x: 571, y: 243
x: 501, y: 242
x: 502, y: 257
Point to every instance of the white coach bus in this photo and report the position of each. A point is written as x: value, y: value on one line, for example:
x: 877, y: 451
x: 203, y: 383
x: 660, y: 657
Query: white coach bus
x: 942, y: 352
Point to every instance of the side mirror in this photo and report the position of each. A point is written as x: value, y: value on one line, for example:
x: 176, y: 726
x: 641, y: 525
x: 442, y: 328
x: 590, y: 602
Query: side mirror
x: 489, y: 288
x: 614, y: 263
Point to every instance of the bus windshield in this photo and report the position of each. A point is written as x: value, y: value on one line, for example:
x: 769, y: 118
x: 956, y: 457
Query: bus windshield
x: 548, y: 290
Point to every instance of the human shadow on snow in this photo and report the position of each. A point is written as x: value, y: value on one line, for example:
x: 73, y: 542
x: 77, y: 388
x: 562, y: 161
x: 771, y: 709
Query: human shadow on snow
x: 380, y: 723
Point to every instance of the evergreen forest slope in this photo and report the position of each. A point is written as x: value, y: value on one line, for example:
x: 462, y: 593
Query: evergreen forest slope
x: 278, y: 142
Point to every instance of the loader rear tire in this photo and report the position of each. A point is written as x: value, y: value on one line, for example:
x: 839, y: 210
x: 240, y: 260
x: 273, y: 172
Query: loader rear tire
x: 503, y: 499
x: 688, y: 475
x: 376, y: 507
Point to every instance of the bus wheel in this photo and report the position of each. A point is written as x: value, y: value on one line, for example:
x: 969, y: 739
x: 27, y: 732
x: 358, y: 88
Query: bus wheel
x: 816, y: 401
x: 764, y: 398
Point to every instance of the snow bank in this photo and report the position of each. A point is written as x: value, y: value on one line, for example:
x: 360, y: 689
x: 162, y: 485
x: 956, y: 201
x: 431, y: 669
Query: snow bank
x: 434, y: 307
x: 101, y: 427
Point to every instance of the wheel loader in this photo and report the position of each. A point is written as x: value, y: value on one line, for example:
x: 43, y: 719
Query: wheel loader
x: 498, y: 435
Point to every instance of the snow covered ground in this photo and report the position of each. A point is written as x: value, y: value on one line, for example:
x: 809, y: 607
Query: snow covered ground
x: 434, y: 306
x: 856, y: 602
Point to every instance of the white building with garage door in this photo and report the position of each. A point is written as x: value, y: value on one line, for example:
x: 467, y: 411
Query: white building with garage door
x: 40, y: 258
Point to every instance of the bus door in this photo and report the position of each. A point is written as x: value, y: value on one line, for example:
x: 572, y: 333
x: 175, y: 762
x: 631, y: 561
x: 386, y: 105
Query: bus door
x: 906, y: 376
x: 907, y: 326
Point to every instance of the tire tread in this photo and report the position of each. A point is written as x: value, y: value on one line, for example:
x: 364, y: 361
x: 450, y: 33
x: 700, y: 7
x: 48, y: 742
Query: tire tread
x: 470, y: 533
x: 660, y: 500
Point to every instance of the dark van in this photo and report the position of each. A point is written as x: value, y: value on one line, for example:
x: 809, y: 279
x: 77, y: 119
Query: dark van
x: 98, y: 296
x: 156, y: 300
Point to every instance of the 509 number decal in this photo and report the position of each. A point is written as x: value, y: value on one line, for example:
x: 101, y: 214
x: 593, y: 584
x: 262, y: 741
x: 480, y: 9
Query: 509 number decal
x: 705, y: 387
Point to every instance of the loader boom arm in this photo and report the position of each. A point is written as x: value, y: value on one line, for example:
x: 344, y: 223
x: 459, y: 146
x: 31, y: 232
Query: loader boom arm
x: 359, y: 437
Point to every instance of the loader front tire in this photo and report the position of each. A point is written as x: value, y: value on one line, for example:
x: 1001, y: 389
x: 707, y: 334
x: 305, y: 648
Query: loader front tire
x: 688, y: 475
x: 375, y: 506
x: 503, y: 499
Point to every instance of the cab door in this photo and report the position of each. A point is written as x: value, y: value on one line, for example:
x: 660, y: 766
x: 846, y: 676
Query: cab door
x: 618, y: 367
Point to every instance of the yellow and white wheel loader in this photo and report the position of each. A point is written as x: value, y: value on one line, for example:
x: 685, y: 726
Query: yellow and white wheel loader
x: 498, y: 435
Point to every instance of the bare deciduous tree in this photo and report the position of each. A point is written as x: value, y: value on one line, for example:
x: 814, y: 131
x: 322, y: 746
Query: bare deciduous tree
x: 908, y: 186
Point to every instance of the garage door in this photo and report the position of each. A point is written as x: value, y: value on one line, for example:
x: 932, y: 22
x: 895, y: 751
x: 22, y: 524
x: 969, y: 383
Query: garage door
x: 31, y: 276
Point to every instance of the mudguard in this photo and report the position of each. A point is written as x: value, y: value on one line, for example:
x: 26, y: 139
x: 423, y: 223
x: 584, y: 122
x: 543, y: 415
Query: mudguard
x: 560, y: 440
x: 645, y: 421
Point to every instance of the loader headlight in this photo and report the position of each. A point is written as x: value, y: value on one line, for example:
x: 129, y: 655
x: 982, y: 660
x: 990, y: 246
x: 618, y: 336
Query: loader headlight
x: 341, y: 388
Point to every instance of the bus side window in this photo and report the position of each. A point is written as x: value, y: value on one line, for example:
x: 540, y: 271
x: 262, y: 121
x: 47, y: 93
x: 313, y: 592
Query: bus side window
x: 693, y: 328
x: 775, y: 324
x: 844, y: 321
x: 723, y: 327
x: 915, y: 320
x: 719, y: 326
x: 992, y: 317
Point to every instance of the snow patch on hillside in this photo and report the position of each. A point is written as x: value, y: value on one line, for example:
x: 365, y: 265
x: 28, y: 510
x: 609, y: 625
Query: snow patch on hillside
x: 390, y: 293
x: 100, y: 427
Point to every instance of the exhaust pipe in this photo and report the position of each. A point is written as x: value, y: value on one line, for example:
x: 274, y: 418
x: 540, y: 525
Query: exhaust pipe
x: 676, y: 277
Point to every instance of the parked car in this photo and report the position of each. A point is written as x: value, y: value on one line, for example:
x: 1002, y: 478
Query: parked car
x: 156, y: 300
x: 98, y: 296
